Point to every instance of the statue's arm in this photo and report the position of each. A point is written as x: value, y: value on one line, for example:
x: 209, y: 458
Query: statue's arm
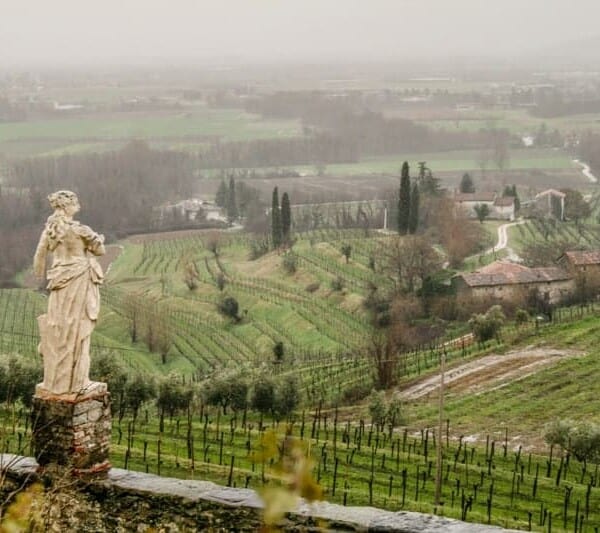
x: 94, y: 242
x: 39, y: 259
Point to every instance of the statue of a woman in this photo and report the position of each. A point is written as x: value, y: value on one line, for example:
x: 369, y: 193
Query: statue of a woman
x: 74, y: 283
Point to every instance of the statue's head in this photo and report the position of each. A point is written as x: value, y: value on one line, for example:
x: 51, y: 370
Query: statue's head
x: 64, y: 200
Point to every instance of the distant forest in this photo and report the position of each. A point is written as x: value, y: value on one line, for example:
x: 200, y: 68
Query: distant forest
x: 354, y: 125
x: 117, y: 191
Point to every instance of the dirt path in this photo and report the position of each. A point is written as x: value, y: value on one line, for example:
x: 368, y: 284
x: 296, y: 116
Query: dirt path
x: 585, y: 170
x: 503, y: 240
x: 489, y: 372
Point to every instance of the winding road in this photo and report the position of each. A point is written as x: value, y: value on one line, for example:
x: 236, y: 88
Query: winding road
x: 585, y: 170
x: 503, y: 241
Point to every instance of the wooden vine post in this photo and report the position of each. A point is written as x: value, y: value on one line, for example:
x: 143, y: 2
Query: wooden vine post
x: 438, y: 466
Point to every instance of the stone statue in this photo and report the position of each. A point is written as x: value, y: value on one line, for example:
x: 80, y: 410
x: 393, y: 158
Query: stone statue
x: 74, y: 281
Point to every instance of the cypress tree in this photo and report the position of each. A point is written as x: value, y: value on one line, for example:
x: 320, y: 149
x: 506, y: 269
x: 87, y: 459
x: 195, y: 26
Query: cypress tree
x: 276, y: 230
x: 413, y: 221
x: 232, y: 211
x: 466, y: 184
x: 286, y: 217
x: 222, y: 196
x: 404, y: 200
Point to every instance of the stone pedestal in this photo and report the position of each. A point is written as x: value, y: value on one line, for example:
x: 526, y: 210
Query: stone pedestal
x: 73, y: 430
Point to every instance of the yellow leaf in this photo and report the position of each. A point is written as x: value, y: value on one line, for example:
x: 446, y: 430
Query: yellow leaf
x: 278, y: 501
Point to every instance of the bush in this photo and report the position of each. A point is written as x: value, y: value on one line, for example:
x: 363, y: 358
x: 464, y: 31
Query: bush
x: 290, y: 262
x: 278, y: 351
x: 372, y: 263
x: 395, y: 413
x: 173, y: 397
x: 385, y: 412
x: 582, y: 439
x: 288, y: 396
x: 338, y: 283
x: 139, y: 390
x: 346, y: 251
x: 258, y: 247
x: 486, y: 327
x: 355, y: 393
x: 521, y: 317
x: 263, y: 396
x: 227, y: 391
x: 18, y: 378
x: 229, y: 307
x: 313, y: 287
x: 377, y: 409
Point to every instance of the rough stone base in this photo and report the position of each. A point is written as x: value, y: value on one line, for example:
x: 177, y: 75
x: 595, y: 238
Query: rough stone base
x: 72, y: 430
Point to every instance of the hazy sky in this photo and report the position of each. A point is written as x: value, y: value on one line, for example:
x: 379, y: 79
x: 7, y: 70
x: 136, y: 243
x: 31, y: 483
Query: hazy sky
x: 51, y: 32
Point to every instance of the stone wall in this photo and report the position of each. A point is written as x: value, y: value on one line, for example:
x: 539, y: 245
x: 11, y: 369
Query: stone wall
x: 132, y: 501
x: 72, y: 430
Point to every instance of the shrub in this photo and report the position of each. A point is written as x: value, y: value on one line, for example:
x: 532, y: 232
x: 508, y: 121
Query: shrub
x: 521, y: 317
x: 258, y: 247
x: 312, y: 287
x: 290, y: 262
x: 288, y: 396
x: 487, y: 326
x: 377, y: 409
x: 582, y: 439
x: 139, y: 390
x: 229, y: 307
x: 263, y: 396
x: 278, y: 351
x: 338, y: 283
x: 346, y: 251
x: 227, y: 391
x: 372, y: 263
x: 355, y: 393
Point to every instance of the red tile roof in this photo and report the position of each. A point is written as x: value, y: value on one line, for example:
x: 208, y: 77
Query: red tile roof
x: 505, y: 201
x: 505, y: 273
x: 584, y: 257
x: 475, y: 196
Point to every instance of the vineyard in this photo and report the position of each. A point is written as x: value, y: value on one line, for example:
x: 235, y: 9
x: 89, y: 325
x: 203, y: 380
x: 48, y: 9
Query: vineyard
x: 361, y: 463
x: 494, y: 478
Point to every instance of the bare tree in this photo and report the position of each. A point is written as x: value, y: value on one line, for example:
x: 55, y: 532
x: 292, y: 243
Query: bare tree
x: 411, y: 259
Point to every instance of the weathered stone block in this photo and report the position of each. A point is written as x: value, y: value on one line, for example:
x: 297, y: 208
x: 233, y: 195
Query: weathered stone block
x: 72, y: 430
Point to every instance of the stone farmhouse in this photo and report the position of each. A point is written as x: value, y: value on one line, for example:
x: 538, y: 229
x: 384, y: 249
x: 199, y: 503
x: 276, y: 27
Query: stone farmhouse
x: 501, y: 207
x: 584, y: 267
x: 507, y: 281
x: 550, y: 203
x: 581, y: 261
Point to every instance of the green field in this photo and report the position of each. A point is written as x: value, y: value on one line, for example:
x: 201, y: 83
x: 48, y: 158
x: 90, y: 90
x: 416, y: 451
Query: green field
x: 72, y: 135
x: 456, y: 161
x: 518, y: 122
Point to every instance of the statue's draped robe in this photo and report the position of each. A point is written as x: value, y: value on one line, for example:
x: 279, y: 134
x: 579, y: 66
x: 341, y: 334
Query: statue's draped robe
x: 73, y: 307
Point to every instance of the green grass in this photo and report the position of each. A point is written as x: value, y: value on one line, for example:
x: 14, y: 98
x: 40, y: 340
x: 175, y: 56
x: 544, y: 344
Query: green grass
x: 451, y: 161
x: 96, y: 133
x: 567, y: 389
x: 517, y: 121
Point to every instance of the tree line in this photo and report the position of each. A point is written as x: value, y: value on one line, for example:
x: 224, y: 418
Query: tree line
x: 118, y: 192
x: 357, y: 126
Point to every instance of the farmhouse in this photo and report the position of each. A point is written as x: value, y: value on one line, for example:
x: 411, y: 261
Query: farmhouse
x: 550, y: 203
x: 581, y: 261
x: 502, y: 280
x: 501, y: 208
x: 584, y: 267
